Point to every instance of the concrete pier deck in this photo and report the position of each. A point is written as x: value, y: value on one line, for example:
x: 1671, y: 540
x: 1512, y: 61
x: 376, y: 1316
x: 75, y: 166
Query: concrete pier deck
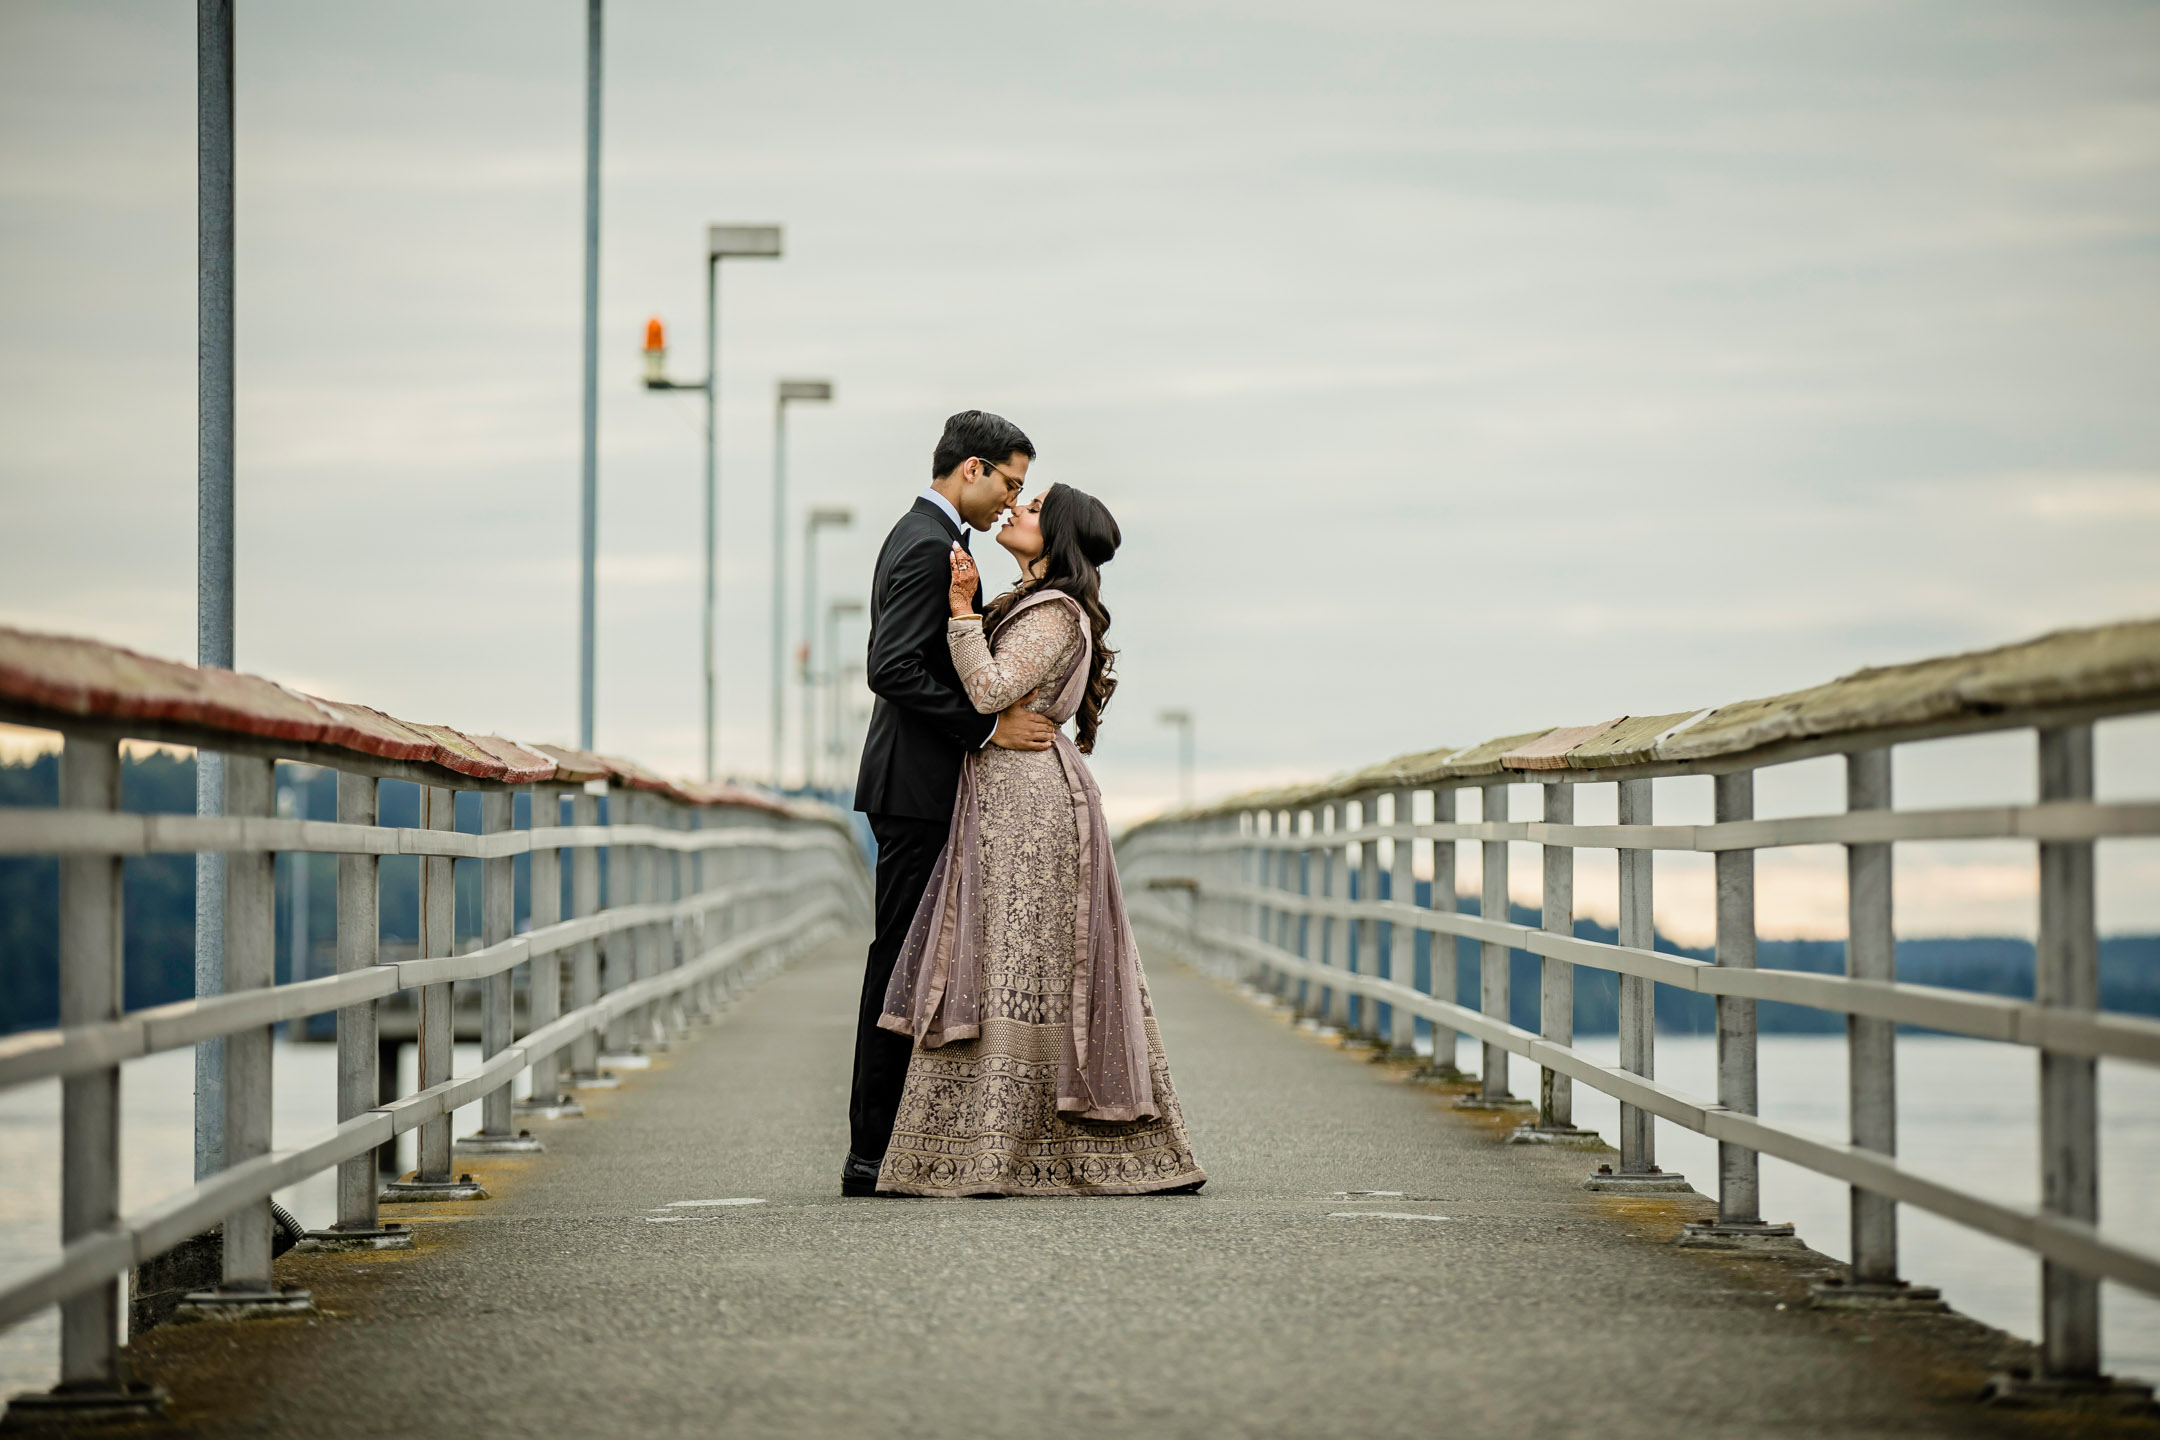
x: 589, y: 1298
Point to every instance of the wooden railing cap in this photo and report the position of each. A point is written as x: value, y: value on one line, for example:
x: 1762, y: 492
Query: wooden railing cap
x: 2098, y: 667
x: 53, y: 679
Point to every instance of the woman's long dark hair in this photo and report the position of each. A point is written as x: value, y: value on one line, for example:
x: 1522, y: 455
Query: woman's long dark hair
x: 1079, y: 537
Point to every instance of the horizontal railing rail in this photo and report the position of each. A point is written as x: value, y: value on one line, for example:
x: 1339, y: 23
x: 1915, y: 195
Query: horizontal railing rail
x: 708, y: 888
x: 1310, y: 891
x: 2011, y: 822
x: 25, y: 831
x: 1934, y: 1007
x: 43, y: 1054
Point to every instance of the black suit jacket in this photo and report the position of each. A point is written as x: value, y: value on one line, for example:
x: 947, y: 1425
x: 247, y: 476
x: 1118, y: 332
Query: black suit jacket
x: 923, y: 722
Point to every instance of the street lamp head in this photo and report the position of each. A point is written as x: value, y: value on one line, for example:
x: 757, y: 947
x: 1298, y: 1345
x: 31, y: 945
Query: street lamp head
x: 805, y: 390
x: 655, y: 351
x: 742, y: 242
x: 844, y: 607
x: 1175, y: 717
x: 829, y: 517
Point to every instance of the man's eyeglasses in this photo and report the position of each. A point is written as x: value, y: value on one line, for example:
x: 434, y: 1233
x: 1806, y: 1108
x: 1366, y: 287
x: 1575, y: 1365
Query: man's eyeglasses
x: 1002, y: 473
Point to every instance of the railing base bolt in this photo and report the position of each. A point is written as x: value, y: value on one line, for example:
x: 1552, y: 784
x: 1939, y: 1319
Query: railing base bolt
x: 558, y: 1107
x: 68, y: 1408
x: 1887, y: 1297
x: 1569, y: 1135
x: 1748, y: 1235
x: 2092, y: 1394
x: 1606, y: 1181
x: 222, y: 1304
x: 482, y: 1143
x: 391, y: 1236
x: 421, y: 1192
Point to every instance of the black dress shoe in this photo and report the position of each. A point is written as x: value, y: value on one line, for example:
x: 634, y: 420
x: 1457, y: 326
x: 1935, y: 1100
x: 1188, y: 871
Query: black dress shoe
x: 858, y: 1177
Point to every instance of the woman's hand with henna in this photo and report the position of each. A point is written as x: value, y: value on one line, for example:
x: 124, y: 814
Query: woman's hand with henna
x: 964, y: 582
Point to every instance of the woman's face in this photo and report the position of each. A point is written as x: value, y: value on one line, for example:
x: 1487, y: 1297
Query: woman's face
x: 1022, y: 532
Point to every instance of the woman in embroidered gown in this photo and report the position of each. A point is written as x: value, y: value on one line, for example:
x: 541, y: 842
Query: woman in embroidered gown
x: 1037, y: 1068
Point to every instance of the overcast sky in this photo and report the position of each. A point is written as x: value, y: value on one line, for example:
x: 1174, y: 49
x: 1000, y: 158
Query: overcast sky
x: 1453, y: 370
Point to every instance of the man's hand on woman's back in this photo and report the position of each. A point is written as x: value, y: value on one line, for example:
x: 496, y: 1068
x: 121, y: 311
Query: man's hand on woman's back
x: 1020, y: 728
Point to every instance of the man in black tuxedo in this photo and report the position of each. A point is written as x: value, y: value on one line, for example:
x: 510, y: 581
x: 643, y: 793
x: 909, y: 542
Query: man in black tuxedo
x: 922, y: 727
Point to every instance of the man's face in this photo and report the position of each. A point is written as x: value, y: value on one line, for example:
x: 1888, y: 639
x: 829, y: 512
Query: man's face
x: 986, y: 490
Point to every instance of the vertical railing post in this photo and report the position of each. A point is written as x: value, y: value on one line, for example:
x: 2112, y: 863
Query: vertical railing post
x: 1334, y: 1001
x: 1739, y: 1223
x: 90, y: 994
x: 618, y: 948
x: 1287, y: 871
x: 1235, y: 912
x: 653, y: 952
x: 250, y: 964
x: 683, y: 927
x: 637, y: 889
x: 2067, y: 977
x: 438, y: 1013
x: 1556, y: 978
x: 1365, y: 1013
x: 1638, y: 1006
x: 1402, y: 940
x: 1871, y: 1044
x: 544, y: 973
x: 1306, y: 822
x: 726, y: 874
x: 696, y: 941
x: 1441, y: 952
x: 359, y: 947
x: 1251, y: 918
x: 1493, y: 977
x: 585, y: 957
x: 498, y: 994
x: 432, y: 1178
x: 652, y: 935
x: 1739, y: 1197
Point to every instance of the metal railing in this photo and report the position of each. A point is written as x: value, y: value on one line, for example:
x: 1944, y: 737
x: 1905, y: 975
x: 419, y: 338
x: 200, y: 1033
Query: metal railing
x: 1262, y: 886
x: 710, y: 886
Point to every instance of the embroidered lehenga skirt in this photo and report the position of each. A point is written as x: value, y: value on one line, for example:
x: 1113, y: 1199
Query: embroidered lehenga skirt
x: 980, y: 1116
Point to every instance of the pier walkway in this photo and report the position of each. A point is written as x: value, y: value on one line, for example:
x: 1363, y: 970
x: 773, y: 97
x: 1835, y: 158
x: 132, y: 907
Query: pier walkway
x: 589, y: 1296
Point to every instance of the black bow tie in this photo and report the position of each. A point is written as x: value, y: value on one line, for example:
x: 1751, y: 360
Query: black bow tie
x: 964, y: 539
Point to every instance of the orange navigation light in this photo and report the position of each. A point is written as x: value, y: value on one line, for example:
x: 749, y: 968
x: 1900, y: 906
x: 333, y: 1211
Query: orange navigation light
x: 655, y: 352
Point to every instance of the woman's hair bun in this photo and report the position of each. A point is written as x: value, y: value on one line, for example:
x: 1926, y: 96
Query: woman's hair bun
x: 1082, y: 521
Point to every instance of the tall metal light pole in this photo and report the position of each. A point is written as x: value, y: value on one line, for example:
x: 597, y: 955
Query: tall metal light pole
x: 589, y: 490
x: 833, y: 612
x: 821, y: 518
x: 722, y: 242
x: 1182, y: 719
x: 812, y: 390
x: 213, y: 516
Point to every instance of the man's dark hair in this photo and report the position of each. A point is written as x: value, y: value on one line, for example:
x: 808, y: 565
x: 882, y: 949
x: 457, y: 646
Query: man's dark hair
x: 979, y: 435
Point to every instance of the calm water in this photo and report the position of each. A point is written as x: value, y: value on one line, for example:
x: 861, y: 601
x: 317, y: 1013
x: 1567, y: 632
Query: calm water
x: 1967, y: 1113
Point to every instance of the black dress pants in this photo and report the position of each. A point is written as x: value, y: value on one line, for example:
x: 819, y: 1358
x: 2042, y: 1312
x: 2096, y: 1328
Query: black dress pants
x: 907, y: 851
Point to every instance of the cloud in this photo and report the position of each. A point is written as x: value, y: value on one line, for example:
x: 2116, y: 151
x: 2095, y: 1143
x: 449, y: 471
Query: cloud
x: 1451, y: 369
